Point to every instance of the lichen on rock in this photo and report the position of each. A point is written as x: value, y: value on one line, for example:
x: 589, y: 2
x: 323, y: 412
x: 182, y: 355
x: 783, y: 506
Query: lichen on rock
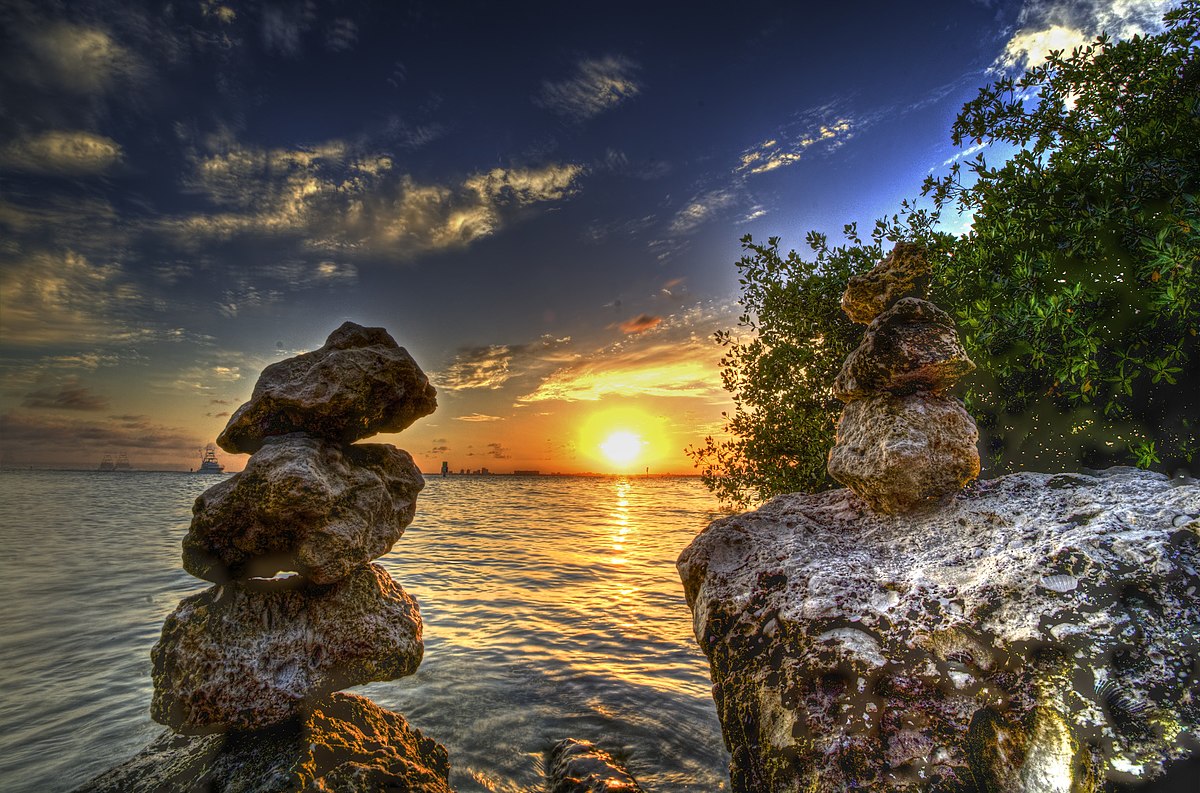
x: 853, y: 650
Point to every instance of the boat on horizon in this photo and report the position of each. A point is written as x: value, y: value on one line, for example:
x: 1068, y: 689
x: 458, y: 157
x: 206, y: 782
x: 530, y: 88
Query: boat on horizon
x: 208, y: 461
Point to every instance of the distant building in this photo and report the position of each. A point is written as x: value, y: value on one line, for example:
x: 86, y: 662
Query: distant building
x: 526, y: 473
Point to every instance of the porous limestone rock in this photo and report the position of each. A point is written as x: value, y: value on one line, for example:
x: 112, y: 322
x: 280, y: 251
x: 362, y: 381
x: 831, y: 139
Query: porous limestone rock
x: 911, y: 346
x: 575, y: 766
x: 249, y: 654
x: 343, y: 743
x: 358, y: 384
x: 901, y: 452
x: 303, y: 504
x: 1040, y: 633
x: 904, y: 273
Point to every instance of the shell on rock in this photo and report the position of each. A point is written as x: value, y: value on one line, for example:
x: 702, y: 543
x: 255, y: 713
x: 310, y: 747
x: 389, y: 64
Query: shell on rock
x: 1059, y: 583
x: 1117, y: 701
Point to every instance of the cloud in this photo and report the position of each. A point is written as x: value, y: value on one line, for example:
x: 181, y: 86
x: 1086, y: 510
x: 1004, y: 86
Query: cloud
x: 67, y: 395
x: 283, y: 26
x: 477, y: 367
x: 493, y: 366
x: 341, y: 35
x: 63, y: 297
x: 701, y: 209
x: 498, y: 451
x: 337, y: 199
x: 778, y: 152
x: 478, y: 417
x: 73, y: 58
x: 70, y: 436
x: 640, y: 323
x: 70, y: 153
x: 1045, y: 25
x: 676, y: 358
x: 596, y: 86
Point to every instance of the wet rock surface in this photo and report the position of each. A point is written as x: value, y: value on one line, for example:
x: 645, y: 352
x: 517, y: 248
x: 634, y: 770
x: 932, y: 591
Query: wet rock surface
x: 303, y: 504
x: 904, y: 452
x: 905, y: 272
x: 343, y: 743
x: 576, y: 766
x: 1038, y: 633
x: 358, y: 384
x: 246, y: 655
x: 911, y: 346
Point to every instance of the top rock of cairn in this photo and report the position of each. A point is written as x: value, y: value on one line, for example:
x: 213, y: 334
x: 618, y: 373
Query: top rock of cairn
x: 904, y: 273
x: 359, y: 384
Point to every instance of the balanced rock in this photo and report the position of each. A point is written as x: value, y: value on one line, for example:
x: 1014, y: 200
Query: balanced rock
x: 359, y: 384
x: 576, y: 766
x: 303, y: 504
x: 898, y: 452
x: 904, y: 273
x: 343, y: 743
x: 1040, y: 633
x: 911, y: 346
x: 249, y: 654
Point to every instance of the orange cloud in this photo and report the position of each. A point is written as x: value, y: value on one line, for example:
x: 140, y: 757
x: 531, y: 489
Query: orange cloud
x: 639, y: 323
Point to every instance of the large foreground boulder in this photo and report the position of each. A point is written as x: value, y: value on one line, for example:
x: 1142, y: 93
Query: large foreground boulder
x: 250, y: 654
x: 306, y: 505
x: 343, y: 743
x: 1038, y: 633
x: 358, y: 384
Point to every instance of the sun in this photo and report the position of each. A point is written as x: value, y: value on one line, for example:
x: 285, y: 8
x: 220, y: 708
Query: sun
x: 622, y: 447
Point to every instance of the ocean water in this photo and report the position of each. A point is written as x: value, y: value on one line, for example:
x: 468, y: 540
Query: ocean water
x: 552, y: 609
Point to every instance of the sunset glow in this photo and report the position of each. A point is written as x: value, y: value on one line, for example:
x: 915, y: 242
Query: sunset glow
x: 622, y: 447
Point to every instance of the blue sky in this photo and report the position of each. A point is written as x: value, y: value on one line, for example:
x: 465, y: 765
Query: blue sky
x: 541, y: 201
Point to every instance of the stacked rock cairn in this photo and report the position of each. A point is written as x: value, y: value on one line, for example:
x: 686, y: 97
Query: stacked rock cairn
x: 297, y: 609
x: 902, y: 442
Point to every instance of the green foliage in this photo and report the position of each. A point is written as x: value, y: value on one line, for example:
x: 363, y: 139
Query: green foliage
x: 780, y: 374
x: 1075, y: 290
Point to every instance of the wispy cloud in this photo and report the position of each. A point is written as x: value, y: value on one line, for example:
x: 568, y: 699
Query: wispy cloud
x: 51, y: 297
x: 477, y: 367
x: 48, y: 436
x: 702, y: 209
x: 478, y: 418
x: 337, y: 199
x: 1045, y: 25
x: 597, y: 85
x: 69, y: 153
x: 69, y: 394
x: 341, y: 35
x: 675, y: 358
x: 639, y: 324
x: 77, y: 59
x: 778, y: 152
x: 491, y: 367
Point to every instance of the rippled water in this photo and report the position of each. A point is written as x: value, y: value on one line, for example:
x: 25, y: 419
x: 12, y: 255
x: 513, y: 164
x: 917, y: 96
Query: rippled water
x: 552, y: 609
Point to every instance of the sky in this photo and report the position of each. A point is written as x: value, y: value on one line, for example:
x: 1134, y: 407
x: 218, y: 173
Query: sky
x: 541, y: 201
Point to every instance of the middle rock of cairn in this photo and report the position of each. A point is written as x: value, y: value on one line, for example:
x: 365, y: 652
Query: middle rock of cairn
x: 901, y: 441
x: 255, y: 649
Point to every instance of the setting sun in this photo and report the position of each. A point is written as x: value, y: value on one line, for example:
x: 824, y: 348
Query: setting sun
x: 622, y: 447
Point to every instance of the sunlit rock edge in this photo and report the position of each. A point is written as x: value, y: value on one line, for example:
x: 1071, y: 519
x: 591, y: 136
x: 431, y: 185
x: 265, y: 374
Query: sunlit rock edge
x: 1039, y: 632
